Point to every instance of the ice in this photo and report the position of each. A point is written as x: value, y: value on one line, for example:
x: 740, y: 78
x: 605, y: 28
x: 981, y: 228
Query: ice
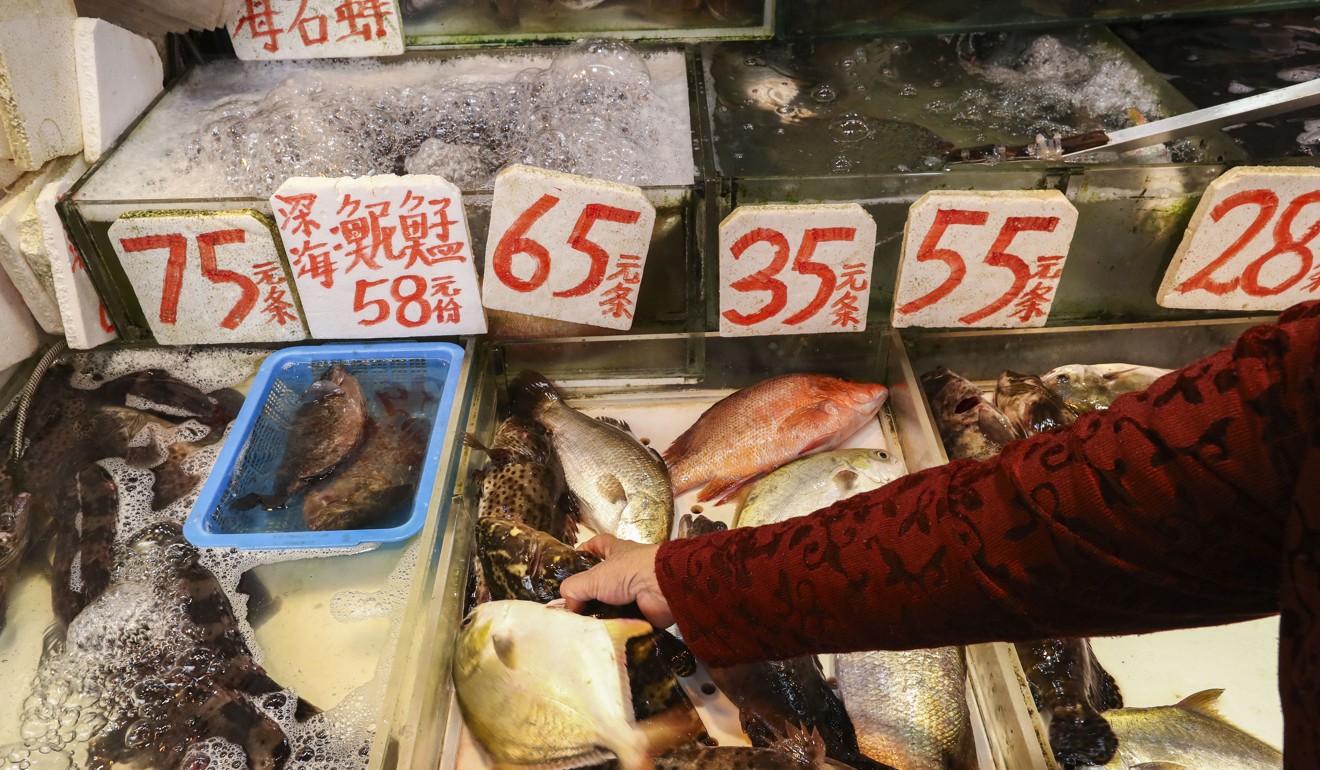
x: 597, y: 108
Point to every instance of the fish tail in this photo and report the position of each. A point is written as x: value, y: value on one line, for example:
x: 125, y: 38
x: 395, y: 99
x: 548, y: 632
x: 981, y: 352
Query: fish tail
x: 529, y: 392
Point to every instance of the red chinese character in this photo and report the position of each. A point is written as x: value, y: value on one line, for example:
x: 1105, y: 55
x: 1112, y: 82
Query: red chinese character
x: 618, y: 301
x: 259, y: 16
x: 323, y: 33
x: 1032, y: 303
x: 267, y: 274
x: 366, y: 236
x: 844, y: 311
x: 312, y: 259
x: 626, y: 270
x: 277, y: 308
x: 448, y: 311
x: 1047, y: 268
x: 416, y: 228
x: 443, y: 286
x: 299, y: 212
x: 853, y: 278
x: 371, y: 14
x: 1314, y: 285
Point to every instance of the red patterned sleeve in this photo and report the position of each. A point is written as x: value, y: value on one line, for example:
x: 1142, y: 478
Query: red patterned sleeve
x: 1168, y: 510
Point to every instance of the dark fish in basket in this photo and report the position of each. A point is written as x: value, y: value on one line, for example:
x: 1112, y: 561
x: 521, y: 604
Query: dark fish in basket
x: 1071, y: 688
x: 382, y: 476
x: 327, y: 429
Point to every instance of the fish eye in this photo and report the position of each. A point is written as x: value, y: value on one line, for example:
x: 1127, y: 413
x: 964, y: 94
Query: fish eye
x: 466, y: 622
x: 883, y: 455
x: 1062, y: 379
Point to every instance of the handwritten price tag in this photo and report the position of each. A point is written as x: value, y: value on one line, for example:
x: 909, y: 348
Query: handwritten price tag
x: 207, y: 276
x: 983, y: 259
x: 86, y: 322
x: 1250, y: 244
x: 316, y: 29
x: 566, y: 247
x: 795, y: 269
x: 380, y: 256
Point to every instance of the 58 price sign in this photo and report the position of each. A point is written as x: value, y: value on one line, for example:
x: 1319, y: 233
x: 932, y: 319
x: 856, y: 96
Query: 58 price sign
x: 1250, y: 244
x: 566, y: 247
x: 795, y: 269
x: 983, y: 259
x: 205, y: 277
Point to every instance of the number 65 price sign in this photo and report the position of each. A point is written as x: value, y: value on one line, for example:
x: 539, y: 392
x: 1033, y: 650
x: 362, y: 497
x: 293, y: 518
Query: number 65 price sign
x: 1249, y: 244
x: 983, y: 259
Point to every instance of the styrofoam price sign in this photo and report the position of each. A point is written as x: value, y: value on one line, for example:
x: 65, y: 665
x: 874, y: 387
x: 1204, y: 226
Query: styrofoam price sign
x: 316, y: 29
x: 380, y: 256
x: 208, y: 277
x: 990, y: 259
x: 86, y: 322
x: 803, y: 269
x: 1250, y: 244
x: 566, y: 247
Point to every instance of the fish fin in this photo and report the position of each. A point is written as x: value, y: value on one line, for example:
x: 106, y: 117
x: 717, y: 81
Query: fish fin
x: 304, y: 710
x: 617, y: 423
x: 845, y: 481
x: 150, y: 454
x: 528, y: 392
x: 505, y: 651
x: 623, y: 629
x: 680, y: 448
x: 611, y: 488
x: 996, y: 426
x: 1203, y: 702
x: 723, y: 488
x: 322, y: 389
x: 470, y: 441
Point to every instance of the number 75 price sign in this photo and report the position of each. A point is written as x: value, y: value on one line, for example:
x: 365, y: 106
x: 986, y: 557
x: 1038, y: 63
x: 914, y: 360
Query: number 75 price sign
x: 983, y: 259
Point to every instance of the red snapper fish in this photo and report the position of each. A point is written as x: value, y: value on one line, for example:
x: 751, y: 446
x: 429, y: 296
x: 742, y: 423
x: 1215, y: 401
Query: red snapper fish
x: 763, y: 426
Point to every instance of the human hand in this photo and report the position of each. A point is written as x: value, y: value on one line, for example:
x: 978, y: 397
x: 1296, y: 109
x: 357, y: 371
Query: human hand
x: 626, y: 575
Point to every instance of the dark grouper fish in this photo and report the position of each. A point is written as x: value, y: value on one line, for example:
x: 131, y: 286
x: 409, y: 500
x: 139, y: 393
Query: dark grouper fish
x: 84, y: 532
x: 523, y: 481
x: 326, y: 429
x: 1071, y: 688
x: 1032, y: 407
x: 382, y: 476
x: 970, y: 426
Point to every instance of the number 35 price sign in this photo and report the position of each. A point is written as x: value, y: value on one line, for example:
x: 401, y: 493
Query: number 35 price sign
x: 983, y: 259
x: 1249, y: 244
x: 795, y: 269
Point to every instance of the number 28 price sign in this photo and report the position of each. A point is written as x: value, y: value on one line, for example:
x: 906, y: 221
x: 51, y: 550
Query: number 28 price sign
x: 803, y: 269
x: 207, y: 277
x: 566, y: 247
x: 1250, y: 243
x: 983, y: 259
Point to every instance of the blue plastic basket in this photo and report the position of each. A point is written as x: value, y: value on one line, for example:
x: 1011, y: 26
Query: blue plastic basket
x: 427, y: 372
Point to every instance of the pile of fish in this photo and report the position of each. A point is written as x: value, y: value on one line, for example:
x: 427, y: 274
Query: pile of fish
x: 553, y: 471
x: 351, y: 467
x: 1079, y: 702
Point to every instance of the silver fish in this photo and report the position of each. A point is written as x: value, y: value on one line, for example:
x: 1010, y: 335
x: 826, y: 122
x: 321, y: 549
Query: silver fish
x: 621, y: 487
x: 909, y: 707
x: 815, y: 482
x: 1087, y: 388
x: 1190, y: 735
x: 970, y: 425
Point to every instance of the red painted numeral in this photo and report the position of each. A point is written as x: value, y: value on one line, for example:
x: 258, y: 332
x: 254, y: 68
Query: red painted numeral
x: 409, y: 291
x: 360, y: 302
x: 763, y: 279
x: 1267, y: 202
x: 944, y: 219
x: 1000, y: 258
x: 414, y: 298
x: 802, y: 264
x: 1284, y: 243
x: 600, y: 258
x: 177, y: 245
x: 514, y: 242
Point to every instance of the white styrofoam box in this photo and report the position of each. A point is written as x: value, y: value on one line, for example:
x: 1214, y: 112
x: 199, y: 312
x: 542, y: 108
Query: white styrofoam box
x: 380, y: 256
x: 1250, y: 243
x: 22, y: 248
x: 316, y: 29
x: 86, y: 323
x: 9, y: 171
x: 21, y: 337
x: 39, y: 81
x: 119, y: 73
x: 208, y: 277
x: 795, y: 269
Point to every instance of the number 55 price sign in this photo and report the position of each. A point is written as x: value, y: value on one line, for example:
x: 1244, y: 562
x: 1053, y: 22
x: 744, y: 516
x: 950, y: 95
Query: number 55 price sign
x: 983, y: 259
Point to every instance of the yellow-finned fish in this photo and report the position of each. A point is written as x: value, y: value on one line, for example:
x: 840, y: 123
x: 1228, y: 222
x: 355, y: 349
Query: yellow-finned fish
x: 815, y: 482
x: 1190, y: 735
x: 1087, y: 388
x: 546, y: 687
x: 761, y: 427
x: 620, y: 485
